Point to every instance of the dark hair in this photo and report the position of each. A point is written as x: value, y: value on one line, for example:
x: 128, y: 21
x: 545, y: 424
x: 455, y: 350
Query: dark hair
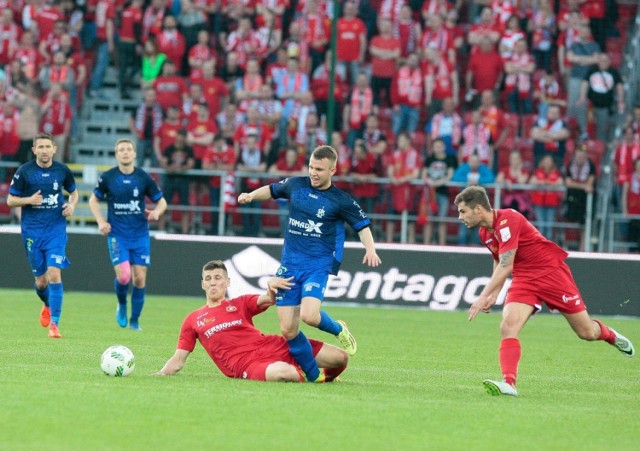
x: 327, y: 152
x: 215, y: 264
x: 473, y: 196
x: 44, y: 136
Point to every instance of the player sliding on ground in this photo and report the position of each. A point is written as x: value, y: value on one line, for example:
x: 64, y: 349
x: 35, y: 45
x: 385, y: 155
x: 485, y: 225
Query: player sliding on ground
x: 313, y: 248
x: 540, y: 274
x: 226, y: 331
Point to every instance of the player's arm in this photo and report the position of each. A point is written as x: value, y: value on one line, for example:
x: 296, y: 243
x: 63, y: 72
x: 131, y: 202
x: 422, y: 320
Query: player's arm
x: 161, y: 206
x: 175, y: 363
x: 370, y: 256
x: 501, y: 271
x: 17, y: 201
x: 262, y: 193
x: 94, y: 205
x: 70, y: 206
x: 274, y: 284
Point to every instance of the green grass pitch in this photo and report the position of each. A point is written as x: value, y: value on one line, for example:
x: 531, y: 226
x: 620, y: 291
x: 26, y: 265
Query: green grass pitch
x: 416, y: 383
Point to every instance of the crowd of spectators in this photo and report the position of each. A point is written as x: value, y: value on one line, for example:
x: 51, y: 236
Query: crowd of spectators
x: 477, y: 92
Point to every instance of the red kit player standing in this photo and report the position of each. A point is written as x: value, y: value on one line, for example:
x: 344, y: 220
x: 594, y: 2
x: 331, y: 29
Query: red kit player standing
x: 540, y: 274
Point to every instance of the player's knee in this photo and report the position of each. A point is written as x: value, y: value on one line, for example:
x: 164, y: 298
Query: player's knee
x: 310, y: 318
x: 124, y: 276
x: 586, y: 334
x: 342, y: 358
x: 282, y: 372
x: 41, y: 283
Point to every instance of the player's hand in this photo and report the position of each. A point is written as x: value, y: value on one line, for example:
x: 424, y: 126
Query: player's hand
x: 245, y: 198
x: 279, y: 283
x: 371, y: 259
x: 104, y: 228
x: 67, y: 210
x: 36, y: 198
x: 482, y: 304
x: 152, y: 215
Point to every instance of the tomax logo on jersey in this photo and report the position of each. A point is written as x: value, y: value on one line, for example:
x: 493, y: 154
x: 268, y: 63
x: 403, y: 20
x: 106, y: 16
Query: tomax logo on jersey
x: 438, y: 292
x: 309, y: 227
x: 133, y: 206
x: 51, y: 200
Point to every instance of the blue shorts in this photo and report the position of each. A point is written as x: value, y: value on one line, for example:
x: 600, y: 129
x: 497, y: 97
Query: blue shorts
x: 46, y: 251
x: 308, y: 283
x: 134, y: 250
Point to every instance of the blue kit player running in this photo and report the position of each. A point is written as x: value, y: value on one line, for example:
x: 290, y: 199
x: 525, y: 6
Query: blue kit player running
x: 125, y: 187
x: 37, y: 188
x: 313, y: 249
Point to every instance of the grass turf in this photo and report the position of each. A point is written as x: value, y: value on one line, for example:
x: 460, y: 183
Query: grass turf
x: 414, y: 384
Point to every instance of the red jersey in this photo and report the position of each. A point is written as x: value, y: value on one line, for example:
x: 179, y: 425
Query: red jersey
x: 9, y: 37
x: 201, y: 53
x: 486, y: 69
x: 131, y: 17
x: 536, y: 256
x: 442, y: 83
x: 167, y: 134
x: 172, y: 44
x: 56, y: 117
x: 384, y: 68
x: 348, y: 38
x: 213, y: 90
x: 213, y: 156
x: 46, y: 18
x: 105, y: 11
x: 367, y: 166
x: 169, y: 90
x: 228, y: 335
x: 199, y: 129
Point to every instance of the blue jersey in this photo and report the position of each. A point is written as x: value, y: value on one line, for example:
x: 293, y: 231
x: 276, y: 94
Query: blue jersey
x: 125, y: 195
x: 315, y: 233
x: 45, y: 219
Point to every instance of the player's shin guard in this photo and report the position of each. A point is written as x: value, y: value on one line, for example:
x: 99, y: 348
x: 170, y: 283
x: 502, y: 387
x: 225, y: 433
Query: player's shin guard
x: 302, y: 352
x: 328, y: 324
x: 605, y: 333
x: 56, y: 292
x: 137, y: 302
x: 121, y: 291
x: 510, y: 353
x: 43, y: 294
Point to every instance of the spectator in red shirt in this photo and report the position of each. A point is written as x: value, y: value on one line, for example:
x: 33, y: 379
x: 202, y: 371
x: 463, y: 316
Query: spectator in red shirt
x: 153, y: 18
x: 248, y: 86
x: 476, y: 140
x: 315, y: 30
x: 144, y: 123
x: 200, y: 133
x: 290, y: 164
x: 484, y: 71
x: 214, y: 88
x: 10, y: 34
x: 437, y: 38
x: 408, y: 30
x: 358, y: 107
x: 407, y: 96
x: 253, y: 126
x: 129, y: 45
x: 9, y: 139
x: 27, y: 53
x: 166, y: 135
x: 519, y: 69
x: 56, y: 118
x: 199, y: 54
x: 493, y: 118
x: 385, y: 51
x: 244, y: 41
x: 484, y: 28
x: 171, y: 42
x: 320, y: 84
x: 512, y: 34
x: 170, y: 88
x: 364, y: 167
x: 51, y: 43
x: 546, y: 202
x: 441, y: 82
x: 105, y: 15
x: 218, y: 157
x: 351, y: 41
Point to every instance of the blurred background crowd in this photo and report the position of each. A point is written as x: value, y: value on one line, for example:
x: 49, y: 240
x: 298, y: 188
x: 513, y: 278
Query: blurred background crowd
x: 428, y: 96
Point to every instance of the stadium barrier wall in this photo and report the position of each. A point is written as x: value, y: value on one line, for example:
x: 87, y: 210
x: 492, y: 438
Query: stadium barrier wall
x: 433, y: 277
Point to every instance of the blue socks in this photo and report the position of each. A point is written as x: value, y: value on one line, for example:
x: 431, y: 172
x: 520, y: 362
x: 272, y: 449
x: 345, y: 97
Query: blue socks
x: 137, y: 302
x: 328, y: 324
x: 121, y: 291
x: 302, y: 352
x: 55, y: 301
x: 43, y: 294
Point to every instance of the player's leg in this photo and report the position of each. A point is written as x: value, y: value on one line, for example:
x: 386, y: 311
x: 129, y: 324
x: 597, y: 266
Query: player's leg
x: 56, y: 296
x: 299, y: 346
x: 38, y: 262
x: 332, y: 360
x: 138, y: 295
x: 592, y: 330
x: 282, y: 372
x: 121, y: 287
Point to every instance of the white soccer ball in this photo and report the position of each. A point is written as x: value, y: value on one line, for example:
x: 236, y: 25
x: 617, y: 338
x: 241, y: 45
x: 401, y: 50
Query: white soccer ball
x: 117, y: 361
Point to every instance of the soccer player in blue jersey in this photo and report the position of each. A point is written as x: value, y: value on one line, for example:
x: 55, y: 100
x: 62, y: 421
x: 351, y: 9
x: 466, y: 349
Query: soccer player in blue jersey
x: 125, y: 187
x: 37, y: 188
x: 313, y: 249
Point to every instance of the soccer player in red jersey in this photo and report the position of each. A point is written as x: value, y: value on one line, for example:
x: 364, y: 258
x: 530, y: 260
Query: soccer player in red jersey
x: 225, y: 330
x: 539, y: 274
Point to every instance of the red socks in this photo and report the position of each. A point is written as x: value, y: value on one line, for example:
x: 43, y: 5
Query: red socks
x: 605, y: 333
x: 510, y: 352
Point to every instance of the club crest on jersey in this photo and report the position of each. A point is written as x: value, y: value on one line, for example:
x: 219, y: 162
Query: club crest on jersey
x: 55, y: 185
x: 135, y: 192
x: 231, y: 308
x: 505, y: 234
x: 320, y: 213
x: 503, y: 222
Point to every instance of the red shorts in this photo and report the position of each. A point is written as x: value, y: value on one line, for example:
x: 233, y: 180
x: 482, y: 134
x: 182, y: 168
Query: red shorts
x: 256, y: 370
x: 557, y: 290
